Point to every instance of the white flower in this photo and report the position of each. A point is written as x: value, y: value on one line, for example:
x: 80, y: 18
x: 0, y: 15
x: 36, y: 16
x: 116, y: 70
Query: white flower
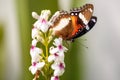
x: 34, y: 42
x: 58, y: 43
x: 51, y: 58
x: 35, y: 33
x: 42, y: 23
x: 45, y: 14
x: 36, y: 66
x: 44, y: 26
x: 35, y: 15
x: 55, y: 55
x: 35, y: 58
x: 59, y: 68
x: 35, y: 50
x: 54, y: 78
x: 35, y: 54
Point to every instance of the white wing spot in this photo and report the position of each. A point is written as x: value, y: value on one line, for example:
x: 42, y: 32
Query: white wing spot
x: 76, y: 14
x: 93, y: 20
x: 87, y: 27
x: 62, y: 24
x: 72, y: 14
x: 82, y: 17
x: 90, y: 10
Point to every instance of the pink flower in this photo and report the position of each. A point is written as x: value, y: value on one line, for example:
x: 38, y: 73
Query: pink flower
x: 49, y: 58
x: 35, y: 54
x: 58, y: 44
x: 36, y: 66
x: 59, y: 68
x: 55, y: 78
x: 41, y: 23
x: 55, y: 55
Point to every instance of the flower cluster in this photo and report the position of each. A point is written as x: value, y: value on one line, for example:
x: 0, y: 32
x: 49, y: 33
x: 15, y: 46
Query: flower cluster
x: 46, y: 59
x: 57, y: 55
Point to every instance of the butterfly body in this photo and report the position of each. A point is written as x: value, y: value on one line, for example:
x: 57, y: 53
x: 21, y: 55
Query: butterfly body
x: 72, y: 25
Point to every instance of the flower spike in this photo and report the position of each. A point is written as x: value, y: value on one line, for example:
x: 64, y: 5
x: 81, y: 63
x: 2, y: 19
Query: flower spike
x: 49, y: 61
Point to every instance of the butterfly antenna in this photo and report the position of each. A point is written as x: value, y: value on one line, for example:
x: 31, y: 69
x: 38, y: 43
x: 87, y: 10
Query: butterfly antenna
x: 82, y: 44
x: 83, y: 39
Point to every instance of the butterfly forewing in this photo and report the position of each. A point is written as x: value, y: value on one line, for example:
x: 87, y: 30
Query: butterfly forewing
x: 86, y: 13
x: 62, y: 25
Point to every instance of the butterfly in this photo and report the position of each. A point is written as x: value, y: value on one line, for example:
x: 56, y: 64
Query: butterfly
x: 73, y: 24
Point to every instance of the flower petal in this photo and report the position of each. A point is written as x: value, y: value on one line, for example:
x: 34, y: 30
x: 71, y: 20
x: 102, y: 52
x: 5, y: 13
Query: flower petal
x: 44, y: 27
x: 35, y: 15
x: 54, y: 78
x: 35, y: 50
x: 37, y: 24
x: 34, y: 42
x: 40, y: 65
x: 35, y: 33
x: 33, y: 69
x: 51, y: 58
x: 45, y: 14
x: 58, y: 72
x: 57, y: 41
x: 53, y: 50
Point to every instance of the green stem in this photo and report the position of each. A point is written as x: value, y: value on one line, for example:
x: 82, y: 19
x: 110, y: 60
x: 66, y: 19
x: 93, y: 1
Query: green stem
x: 46, y: 50
x: 46, y: 44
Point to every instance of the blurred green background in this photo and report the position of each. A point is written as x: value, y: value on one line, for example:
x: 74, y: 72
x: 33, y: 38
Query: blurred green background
x: 15, y: 41
x: 100, y: 61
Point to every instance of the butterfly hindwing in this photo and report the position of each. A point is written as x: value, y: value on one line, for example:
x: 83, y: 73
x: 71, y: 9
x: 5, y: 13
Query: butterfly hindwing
x: 86, y: 29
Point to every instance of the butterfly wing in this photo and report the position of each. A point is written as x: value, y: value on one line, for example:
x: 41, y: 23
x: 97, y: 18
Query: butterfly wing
x: 74, y: 24
x: 88, y: 27
x: 85, y: 21
x: 61, y: 24
x: 84, y: 13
